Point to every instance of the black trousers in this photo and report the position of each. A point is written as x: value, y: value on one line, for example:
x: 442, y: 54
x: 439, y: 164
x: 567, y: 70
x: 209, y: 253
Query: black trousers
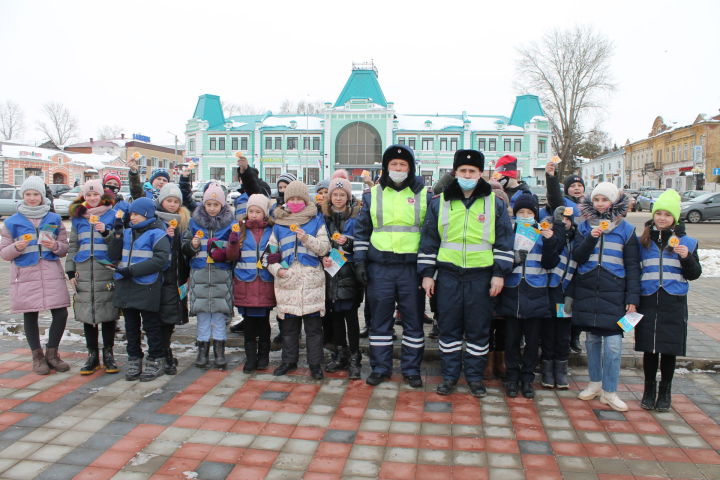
x: 291, y: 338
x: 497, y: 334
x: 167, y: 330
x: 667, y: 366
x: 556, y: 338
x: 91, y: 334
x: 345, y: 323
x: 57, y: 327
x: 257, y: 329
x: 153, y: 327
x: 521, y: 365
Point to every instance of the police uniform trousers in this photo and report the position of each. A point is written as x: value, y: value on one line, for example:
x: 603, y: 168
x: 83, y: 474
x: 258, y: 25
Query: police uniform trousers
x: 387, y: 285
x: 464, y: 312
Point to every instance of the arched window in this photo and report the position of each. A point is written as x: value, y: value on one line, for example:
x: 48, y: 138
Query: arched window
x: 358, y: 144
x: 58, y: 178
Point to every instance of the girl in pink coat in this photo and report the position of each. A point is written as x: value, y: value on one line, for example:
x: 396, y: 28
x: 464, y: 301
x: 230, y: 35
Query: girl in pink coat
x: 34, y: 240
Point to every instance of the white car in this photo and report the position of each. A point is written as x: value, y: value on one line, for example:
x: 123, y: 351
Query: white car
x: 62, y: 207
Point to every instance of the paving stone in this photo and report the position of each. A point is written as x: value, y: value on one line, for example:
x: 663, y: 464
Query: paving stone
x: 574, y: 464
x: 274, y: 395
x: 24, y: 470
x: 367, y: 452
x: 60, y: 472
x: 610, y: 466
x: 279, y: 474
x: 506, y: 474
x: 267, y: 442
x: 609, y: 415
x: 410, y: 428
x: 561, y: 435
x: 469, y: 459
x: 341, y: 436
x: 434, y: 457
x: 625, y: 438
x: 504, y: 460
x: 306, y: 447
x: 293, y: 461
x: 535, y: 447
x: 362, y: 468
x: 404, y: 455
x: 440, y: 407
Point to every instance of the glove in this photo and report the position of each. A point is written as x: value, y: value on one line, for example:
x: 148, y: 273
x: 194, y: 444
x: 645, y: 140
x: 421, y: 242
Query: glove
x: 70, y: 274
x: 234, y: 237
x: 118, y: 224
x: 124, y: 272
x: 274, y: 258
x: 361, y: 273
x: 218, y: 254
x: 520, y: 256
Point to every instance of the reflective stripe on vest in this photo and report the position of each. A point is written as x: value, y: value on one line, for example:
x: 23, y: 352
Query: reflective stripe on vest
x: 663, y: 271
x: 18, y: 225
x: 397, y: 218
x: 608, y: 252
x: 531, y: 270
x: 241, y: 205
x: 91, y: 242
x: 564, y: 270
x: 467, y: 235
x: 246, y: 269
x: 200, y: 259
x: 138, y: 251
x: 291, y: 248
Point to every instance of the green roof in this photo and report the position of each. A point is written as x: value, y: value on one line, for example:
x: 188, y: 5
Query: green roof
x: 208, y: 108
x: 362, y: 85
x: 526, y: 107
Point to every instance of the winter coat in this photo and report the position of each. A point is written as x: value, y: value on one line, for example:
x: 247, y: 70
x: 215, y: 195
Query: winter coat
x: 663, y: 328
x: 342, y: 286
x: 129, y: 293
x: 173, y: 309
x: 258, y: 293
x: 302, y: 291
x: 210, y: 287
x: 600, y: 297
x: 37, y: 287
x: 93, y: 300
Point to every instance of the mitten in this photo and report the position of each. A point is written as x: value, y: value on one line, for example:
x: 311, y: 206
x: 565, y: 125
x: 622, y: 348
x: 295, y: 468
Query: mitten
x: 218, y: 254
x: 124, y: 272
x: 234, y: 237
x: 274, y: 258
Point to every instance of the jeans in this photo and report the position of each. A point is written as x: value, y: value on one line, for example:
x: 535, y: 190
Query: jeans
x: 211, y: 325
x: 604, y: 359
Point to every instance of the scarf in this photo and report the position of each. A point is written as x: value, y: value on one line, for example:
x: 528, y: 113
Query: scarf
x: 99, y: 210
x: 141, y: 225
x: 33, y: 212
x: 283, y: 217
x: 167, y: 216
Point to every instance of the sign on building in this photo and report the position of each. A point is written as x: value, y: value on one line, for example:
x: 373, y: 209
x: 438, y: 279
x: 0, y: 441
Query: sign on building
x: 698, y: 154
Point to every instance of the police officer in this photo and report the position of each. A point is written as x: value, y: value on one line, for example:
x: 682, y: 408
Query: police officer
x: 387, y: 238
x: 467, y: 242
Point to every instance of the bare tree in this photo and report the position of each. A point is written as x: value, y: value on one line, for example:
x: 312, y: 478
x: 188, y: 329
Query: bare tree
x: 569, y: 71
x: 301, y: 107
x: 109, y: 131
x: 61, y: 126
x: 594, y: 143
x: 231, y: 109
x: 11, y: 120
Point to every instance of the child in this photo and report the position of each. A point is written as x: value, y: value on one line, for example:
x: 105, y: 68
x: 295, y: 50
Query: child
x: 142, y: 252
x: 173, y: 305
x: 524, y: 299
x: 253, y: 290
x: 210, y: 274
x: 669, y: 259
x: 342, y: 293
x: 556, y: 329
x: 92, y: 213
x: 299, y: 238
x: 606, y: 286
x: 34, y: 240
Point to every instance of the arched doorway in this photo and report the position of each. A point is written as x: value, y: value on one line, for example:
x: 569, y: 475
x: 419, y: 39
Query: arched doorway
x: 358, y: 145
x: 58, y: 178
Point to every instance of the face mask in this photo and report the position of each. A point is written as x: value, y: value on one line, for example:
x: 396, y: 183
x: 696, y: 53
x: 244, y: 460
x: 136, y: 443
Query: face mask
x: 525, y: 219
x: 112, y: 188
x: 504, y: 181
x: 467, y: 183
x: 295, y: 207
x: 397, y: 177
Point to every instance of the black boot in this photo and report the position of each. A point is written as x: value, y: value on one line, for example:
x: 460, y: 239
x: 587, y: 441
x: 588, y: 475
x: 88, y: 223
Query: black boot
x: 575, y: 341
x: 109, y: 360
x: 338, y: 361
x: 92, y: 364
x: 219, y: 354
x: 251, y: 357
x: 316, y: 372
x: 154, y: 368
x: 134, y: 369
x: 263, y: 354
x: 354, y: 368
x: 649, y: 395
x: 202, y: 359
x: 664, y: 398
x: 511, y: 389
x: 547, y: 374
x: 170, y: 363
x: 527, y: 390
x: 561, y: 369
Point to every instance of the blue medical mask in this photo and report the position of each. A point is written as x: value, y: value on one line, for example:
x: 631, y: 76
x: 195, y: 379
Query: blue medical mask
x: 467, y: 183
x: 530, y: 219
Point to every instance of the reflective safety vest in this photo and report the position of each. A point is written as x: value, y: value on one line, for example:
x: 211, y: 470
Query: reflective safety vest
x: 140, y: 250
x: 531, y: 269
x: 200, y: 258
x: 348, y: 230
x: 563, y: 272
x: 291, y: 248
x: 663, y: 271
x: 467, y: 235
x: 90, y: 242
x: 608, y: 252
x: 577, y: 214
x: 246, y: 268
x: 241, y: 205
x: 397, y: 219
x: 18, y: 225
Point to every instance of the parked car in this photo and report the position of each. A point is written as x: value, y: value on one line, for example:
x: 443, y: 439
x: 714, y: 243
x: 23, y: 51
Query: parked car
x: 357, y: 189
x: 72, y: 194
x: 690, y: 194
x: 541, y: 194
x: 62, y: 207
x: 9, y: 199
x: 646, y: 200
x: 701, y: 208
x: 198, y: 194
x: 58, y: 189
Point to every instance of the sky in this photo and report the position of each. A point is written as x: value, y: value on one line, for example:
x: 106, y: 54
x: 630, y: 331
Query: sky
x: 142, y: 65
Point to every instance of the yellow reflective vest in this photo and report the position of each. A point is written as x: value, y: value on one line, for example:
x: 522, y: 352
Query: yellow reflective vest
x: 467, y: 235
x: 397, y: 218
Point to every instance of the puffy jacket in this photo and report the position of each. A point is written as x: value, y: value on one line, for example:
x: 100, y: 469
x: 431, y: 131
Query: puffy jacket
x: 342, y: 286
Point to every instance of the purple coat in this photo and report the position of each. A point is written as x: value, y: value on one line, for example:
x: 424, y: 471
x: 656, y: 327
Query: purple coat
x: 41, y: 286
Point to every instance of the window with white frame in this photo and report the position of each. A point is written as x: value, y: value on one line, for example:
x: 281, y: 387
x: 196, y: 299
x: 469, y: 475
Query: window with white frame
x: 517, y: 145
x: 427, y: 143
x: 411, y: 142
x: 316, y: 144
x: 191, y: 145
x: 401, y: 140
x: 217, y: 173
x: 306, y: 143
x: 243, y: 143
x: 213, y: 143
x: 272, y: 174
x: 443, y: 144
x: 492, y: 145
x: 18, y: 176
x: 234, y: 143
x: 221, y: 143
x: 481, y: 144
x: 506, y: 145
x: 453, y: 144
x: 268, y: 143
x: 292, y: 143
x: 278, y: 143
x: 542, y: 145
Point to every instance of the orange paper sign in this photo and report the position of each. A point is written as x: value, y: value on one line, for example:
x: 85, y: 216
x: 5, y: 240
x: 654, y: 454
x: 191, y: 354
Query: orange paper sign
x: 294, y: 228
x: 119, y: 214
x: 604, y: 225
x: 318, y: 198
x: 336, y: 236
x: 235, y: 227
x: 365, y: 173
x: 674, y: 241
x: 27, y: 237
x: 568, y: 212
x: 136, y: 155
x: 173, y: 223
x: 199, y: 234
x: 556, y: 159
x: 545, y: 225
x: 94, y: 219
x: 238, y: 154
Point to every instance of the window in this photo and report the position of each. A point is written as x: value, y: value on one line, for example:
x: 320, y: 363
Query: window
x: 427, y: 177
x: 244, y: 143
x: 358, y: 144
x: 153, y: 162
x: 191, y: 145
x: 517, y: 145
x: 443, y: 144
x: 481, y: 144
x: 221, y: 143
x: 292, y: 143
x: 453, y: 144
x: 542, y: 146
x: 401, y: 140
x: 411, y: 143
x: 491, y: 145
x: 306, y: 143
x: 278, y: 143
x: 268, y: 143
x: 18, y: 176
x: 506, y: 145
x: 213, y: 143
x: 272, y: 174
x: 311, y: 175
x: 217, y: 173
x: 316, y: 144
x: 427, y: 143
x: 6, y: 194
x: 233, y: 143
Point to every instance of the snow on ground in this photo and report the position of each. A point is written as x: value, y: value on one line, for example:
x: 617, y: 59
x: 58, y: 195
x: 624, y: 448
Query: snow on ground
x: 710, y: 261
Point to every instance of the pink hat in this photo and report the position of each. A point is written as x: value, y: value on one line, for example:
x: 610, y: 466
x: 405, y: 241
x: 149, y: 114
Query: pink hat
x: 112, y: 176
x: 341, y: 173
x: 94, y: 185
x: 214, y: 192
x: 339, y: 182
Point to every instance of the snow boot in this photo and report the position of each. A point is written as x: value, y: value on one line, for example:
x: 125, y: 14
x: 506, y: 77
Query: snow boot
x: 92, y: 363
x: 108, y: 360
x: 560, y: 368
x: 251, y: 357
x: 40, y: 365
x: 354, y: 367
x: 202, y: 359
x: 664, y: 399
x: 219, y: 354
x: 547, y: 374
x: 649, y: 397
x: 52, y: 358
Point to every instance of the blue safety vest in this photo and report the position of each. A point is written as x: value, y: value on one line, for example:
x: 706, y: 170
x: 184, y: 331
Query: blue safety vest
x: 200, y: 258
x: 246, y: 268
x: 531, y: 270
x: 90, y: 241
x: 608, y: 252
x: 140, y: 250
x: 18, y: 225
x: 577, y: 214
x: 563, y: 272
x: 348, y: 231
x: 241, y: 205
x: 291, y: 248
x: 663, y: 271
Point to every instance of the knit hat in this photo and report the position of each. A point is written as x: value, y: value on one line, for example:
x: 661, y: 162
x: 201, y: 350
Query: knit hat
x: 322, y: 184
x: 160, y: 172
x: 94, y: 185
x: 342, y: 183
x: 469, y: 157
x: 506, y: 166
x: 570, y: 179
x: 143, y: 206
x: 286, y: 177
x: 33, y: 183
x: 606, y: 189
x: 669, y: 201
x: 296, y: 188
x: 260, y: 201
x: 341, y: 173
x: 111, y: 176
x: 214, y: 192
x: 169, y: 190
x: 563, y: 212
x: 526, y: 200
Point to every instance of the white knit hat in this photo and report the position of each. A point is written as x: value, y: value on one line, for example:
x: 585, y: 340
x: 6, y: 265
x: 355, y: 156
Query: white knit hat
x: 260, y: 201
x: 169, y: 190
x: 606, y: 189
x: 33, y: 183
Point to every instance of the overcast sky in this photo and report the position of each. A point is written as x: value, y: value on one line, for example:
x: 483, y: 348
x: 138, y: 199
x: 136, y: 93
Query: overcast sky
x: 141, y: 65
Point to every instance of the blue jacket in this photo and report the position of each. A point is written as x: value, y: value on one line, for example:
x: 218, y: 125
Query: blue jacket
x: 18, y: 225
x: 291, y: 248
x: 246, y: 269
x: 664, y: 270
x: 200, y: 258
x: 86, y: 232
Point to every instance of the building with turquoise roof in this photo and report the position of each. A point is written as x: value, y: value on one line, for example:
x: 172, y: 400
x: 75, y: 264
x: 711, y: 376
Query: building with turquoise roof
x: 353, y: 131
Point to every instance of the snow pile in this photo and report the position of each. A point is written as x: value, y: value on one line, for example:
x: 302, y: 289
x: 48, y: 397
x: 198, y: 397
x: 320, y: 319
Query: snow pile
x: 710, y: 261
